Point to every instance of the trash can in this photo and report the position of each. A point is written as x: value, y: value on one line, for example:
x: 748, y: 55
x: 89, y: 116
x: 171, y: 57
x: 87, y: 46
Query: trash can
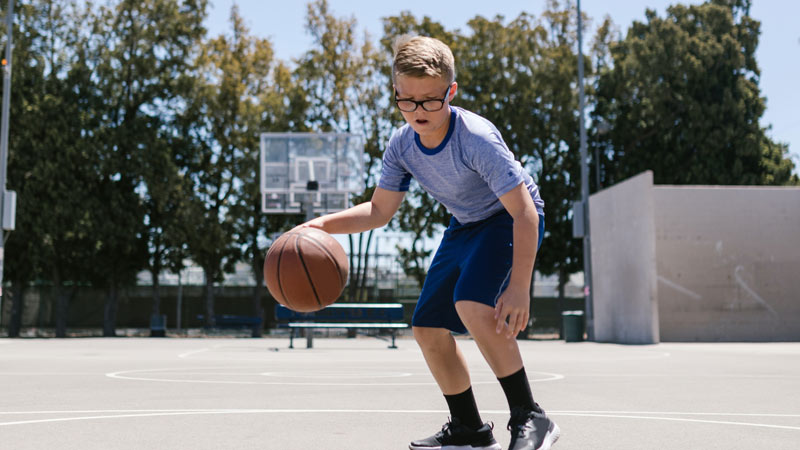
x: 573, y: 326
x: 158, y: 325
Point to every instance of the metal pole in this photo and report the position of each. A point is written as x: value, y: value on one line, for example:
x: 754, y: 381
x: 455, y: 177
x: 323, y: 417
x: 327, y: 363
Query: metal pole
x: 4, y: 137
x: 308, y: 205
x: 587, y: 248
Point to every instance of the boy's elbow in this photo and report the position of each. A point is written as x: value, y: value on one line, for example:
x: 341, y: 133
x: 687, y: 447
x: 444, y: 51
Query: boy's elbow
x: 380, y: 217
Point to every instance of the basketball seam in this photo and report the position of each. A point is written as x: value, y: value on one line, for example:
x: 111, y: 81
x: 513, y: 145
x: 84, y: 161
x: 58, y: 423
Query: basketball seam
x: 305, y: 268
x: 327, y: 252
x: 278, y: 271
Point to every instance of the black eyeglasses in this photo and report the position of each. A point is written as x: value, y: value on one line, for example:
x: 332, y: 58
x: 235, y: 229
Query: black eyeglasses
x: 433, y: 105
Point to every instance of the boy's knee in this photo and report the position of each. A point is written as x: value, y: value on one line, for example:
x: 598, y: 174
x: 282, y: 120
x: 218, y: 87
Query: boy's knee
x: 432, y: 338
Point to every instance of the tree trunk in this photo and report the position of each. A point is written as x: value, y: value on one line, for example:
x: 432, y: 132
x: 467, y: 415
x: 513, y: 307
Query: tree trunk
x: 351, y: 288
x: 258, y: 308
x: 110, y: 311
x: 43, y: 312
x: 365, y: 269
x: 156, y: 292
x: 526, y: 333
x: 17, y: 304
x: 210, y: 321
x: 63, y: 297
x: 179, y: 307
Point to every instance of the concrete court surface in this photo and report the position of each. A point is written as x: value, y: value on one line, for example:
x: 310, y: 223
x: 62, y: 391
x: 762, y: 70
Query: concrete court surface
x: 356, y: 394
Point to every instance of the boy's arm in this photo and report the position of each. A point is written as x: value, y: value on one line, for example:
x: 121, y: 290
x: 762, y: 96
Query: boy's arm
x: 514, y: 303
x: 365, y: 216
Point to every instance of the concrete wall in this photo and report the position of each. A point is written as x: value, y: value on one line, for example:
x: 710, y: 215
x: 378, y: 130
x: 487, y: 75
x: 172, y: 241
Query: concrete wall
x: 624, y: 263
x: 728, y: 263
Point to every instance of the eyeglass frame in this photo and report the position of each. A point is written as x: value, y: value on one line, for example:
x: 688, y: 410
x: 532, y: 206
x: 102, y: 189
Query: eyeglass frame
x: 417, y: 104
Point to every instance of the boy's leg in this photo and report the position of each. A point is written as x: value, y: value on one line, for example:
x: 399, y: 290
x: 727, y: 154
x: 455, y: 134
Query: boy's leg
x: 530, y: 428
x: 501, y: 353
x: 449, y: 369
x: 444, y: 359
x: 465, y: 430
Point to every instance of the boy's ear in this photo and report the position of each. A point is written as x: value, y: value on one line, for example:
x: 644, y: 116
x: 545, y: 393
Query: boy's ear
x: 453, y: 89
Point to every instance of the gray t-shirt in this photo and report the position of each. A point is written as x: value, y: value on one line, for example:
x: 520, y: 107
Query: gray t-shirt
x: 467, y: 172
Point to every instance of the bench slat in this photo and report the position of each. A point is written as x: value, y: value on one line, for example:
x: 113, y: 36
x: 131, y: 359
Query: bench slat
x: 345, y: 325
x: 368, y: 312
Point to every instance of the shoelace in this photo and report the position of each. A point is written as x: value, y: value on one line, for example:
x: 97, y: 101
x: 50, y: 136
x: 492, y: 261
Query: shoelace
x: 447, y: 428
x: 518, y: 422
x: 452, y: 423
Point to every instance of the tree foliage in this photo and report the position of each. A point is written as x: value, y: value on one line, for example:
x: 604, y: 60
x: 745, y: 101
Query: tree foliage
x: 134, y: 134
x: 682, y: 99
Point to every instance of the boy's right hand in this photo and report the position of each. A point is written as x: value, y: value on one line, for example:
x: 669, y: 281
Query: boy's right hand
x: 313, y: 223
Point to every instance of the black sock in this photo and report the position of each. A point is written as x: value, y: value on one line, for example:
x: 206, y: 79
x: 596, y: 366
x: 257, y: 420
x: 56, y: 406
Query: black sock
x: 463, y: 407
x: 518, y: 391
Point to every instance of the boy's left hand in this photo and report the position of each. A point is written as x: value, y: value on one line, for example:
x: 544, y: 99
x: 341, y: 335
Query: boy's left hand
x: 514, y: 306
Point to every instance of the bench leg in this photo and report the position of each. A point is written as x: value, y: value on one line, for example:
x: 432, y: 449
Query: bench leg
x: 393, y: 344
x: 309, y: 338
x: 291, y: 337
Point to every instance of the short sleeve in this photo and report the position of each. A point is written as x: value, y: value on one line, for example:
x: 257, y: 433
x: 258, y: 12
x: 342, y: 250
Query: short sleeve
x: 394, y: 176
x: 496, y: 164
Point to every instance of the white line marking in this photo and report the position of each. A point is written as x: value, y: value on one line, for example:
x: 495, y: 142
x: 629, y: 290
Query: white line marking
x: 126, y: 375
x: 640, y: 415
x: 327, y: 375
x: 193, y: 352
x: 678, y: 419
x: 680, y: 375
x: 59, y: 374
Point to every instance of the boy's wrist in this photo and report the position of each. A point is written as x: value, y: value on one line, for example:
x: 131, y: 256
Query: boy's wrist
x: 519, y: 285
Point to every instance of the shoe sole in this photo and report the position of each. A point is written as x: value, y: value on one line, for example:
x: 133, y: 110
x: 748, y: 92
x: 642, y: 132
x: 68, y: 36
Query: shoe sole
x: 494, y: 446
x: 550, y: 438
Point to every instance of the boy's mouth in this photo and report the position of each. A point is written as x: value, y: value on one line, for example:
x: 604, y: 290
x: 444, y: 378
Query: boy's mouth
x: 421, y: 121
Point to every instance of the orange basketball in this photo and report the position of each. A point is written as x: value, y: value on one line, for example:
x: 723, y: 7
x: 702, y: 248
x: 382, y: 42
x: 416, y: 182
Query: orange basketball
x: 306, y: 269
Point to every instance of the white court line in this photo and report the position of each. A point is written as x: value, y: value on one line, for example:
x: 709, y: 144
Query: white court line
x: 640, y: 415
x: 323, y: 374
x: 58, y: 374
x: 680, y: 375
x: 194, y: 352
x: 124, y: 375
x: 678, y: 419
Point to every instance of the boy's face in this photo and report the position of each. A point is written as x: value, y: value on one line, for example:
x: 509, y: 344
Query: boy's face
x: 430, y: 125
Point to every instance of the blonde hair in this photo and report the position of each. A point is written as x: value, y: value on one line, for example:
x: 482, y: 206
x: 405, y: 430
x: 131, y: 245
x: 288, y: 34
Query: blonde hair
x: 421, y: 56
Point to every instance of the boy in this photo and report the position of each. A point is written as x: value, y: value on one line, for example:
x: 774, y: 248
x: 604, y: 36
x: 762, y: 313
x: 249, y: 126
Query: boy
x: 479, y: 280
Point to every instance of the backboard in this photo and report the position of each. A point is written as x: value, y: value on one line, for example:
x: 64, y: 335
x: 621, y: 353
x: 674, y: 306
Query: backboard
x: 321, y: 168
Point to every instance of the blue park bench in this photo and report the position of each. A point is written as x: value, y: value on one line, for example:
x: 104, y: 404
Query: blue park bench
x: 382, y: 316
x: 235, y: 321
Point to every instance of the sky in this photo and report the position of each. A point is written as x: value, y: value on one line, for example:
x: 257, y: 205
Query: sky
x: 778, y: 54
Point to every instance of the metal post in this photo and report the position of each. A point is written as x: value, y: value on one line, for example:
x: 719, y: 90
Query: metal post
x: 587, y: 248
x: 308, y: 205
x: 4, y: 137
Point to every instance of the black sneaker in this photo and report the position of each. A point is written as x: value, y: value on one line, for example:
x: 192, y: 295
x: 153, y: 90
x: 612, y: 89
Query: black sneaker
x: 531, y: 430
x: 455, y: 436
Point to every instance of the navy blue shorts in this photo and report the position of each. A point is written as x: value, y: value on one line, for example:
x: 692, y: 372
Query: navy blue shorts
x: 473, y: 262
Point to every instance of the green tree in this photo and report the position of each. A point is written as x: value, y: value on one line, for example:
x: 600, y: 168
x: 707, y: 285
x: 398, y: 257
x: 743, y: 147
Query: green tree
x: 222, y: 121
x: 517, y: 75
x: 342, y: 79
x: 419, y: 214
x: 261, y: 96
x: 682, y: 99
x: 520, y: 76
x: 52, y: 166
x: 143, y: 50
